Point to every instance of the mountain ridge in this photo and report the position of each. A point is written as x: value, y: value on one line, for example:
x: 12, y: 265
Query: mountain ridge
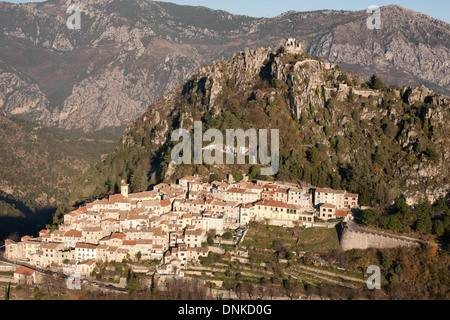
x: 108, y: 73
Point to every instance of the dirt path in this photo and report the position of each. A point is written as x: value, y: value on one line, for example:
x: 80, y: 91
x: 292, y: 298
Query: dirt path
x: 324, y: 278
x: 328, y: 273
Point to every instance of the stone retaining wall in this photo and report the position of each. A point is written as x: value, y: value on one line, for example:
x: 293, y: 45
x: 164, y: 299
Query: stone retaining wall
x: 351, y: 239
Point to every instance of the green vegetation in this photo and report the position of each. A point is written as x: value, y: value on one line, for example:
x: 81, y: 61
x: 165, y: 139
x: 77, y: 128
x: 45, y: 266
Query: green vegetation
x: 269, y: 243
x: 413, y: 273
x: 426, y: 219
x: 376, y: 83
x: 42, y: 164
x: 285, y: 261
x: 8, y: 292
x: 133, y: 282
x: 238, y: 177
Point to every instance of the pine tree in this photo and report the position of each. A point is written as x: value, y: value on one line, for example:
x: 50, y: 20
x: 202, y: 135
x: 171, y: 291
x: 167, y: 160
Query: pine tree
x: 133, y: 282
x: 139, y: 180
x: 8, y: 291
x: 376, y: 83
x: 154, y: 286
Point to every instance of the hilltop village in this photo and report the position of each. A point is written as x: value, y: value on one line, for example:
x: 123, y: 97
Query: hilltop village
x: 171, y: 223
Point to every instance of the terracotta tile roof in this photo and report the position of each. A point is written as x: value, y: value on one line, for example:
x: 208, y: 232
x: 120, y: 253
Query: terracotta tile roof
x: 202, y: 250
x: 73, y: 234
x: 351, y: 195
x: 157, y: 232
x: 328, y: 190
x: 197, y: 232
x: 160, y: 186
x: 118, y: 198
x: 151, y: 203
x: 81, y: 210
x: 33, y: 242
x: 141, y: 195
x: 24, y: 271
x: 342, y: 213
x: 189, y: 178
x: 88, y: 262
x: 165, y: 203
x: 86, y: 246
x: 118, y: 235
x: 144, y: 241
x: 51, y: 246
x: 271, y: 203
x: 92, y: 229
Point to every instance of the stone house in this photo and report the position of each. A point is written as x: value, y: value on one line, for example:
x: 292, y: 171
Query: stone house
x: 85, y: 251
x: 72, y: 237
x: 213, y: 221
x: 24, y: 275
x: 85, y: 268
x: 14, y: 250
x: 327, y: 211
x: 194, y: 238
x: 92, y: 234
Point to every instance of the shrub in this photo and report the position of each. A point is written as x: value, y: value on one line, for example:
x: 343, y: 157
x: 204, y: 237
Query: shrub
x: 227, y: 235
x: 376, y: 83
x: 238, y: 176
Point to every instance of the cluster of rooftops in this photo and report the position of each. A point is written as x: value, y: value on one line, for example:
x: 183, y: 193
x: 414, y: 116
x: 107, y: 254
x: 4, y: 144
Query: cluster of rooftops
x: 171, y: 222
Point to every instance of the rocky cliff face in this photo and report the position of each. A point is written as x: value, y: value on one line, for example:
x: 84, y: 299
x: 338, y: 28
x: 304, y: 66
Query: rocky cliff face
x: 129, y: 54
x: 21, y: 97
x: 408, y: 41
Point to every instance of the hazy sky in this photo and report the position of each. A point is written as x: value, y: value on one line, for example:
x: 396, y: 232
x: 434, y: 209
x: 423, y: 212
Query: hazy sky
x: 439, y: 9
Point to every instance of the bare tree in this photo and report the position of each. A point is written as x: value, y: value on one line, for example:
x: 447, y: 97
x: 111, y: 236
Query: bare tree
x: 292, y: 289
x: 261, y: 292
x: 273, y: 292
x: 14, y: 237
x: 383, y: 195
x: 251, y: 290
x: 185, y: 289
x: 240, y: 291
x: 54, y: 284
x: 212, y: 233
